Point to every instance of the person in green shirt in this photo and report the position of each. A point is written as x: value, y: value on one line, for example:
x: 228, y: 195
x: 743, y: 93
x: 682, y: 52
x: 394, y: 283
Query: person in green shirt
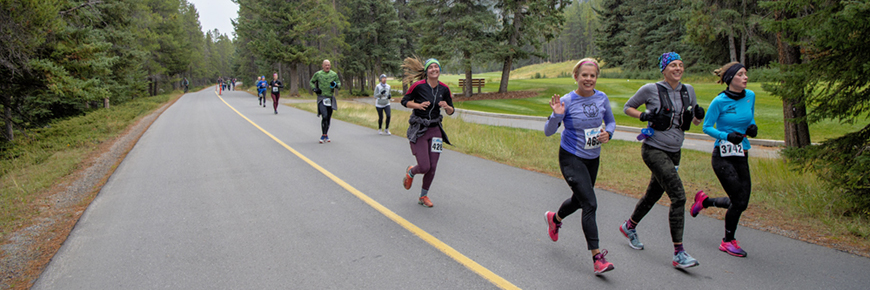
x: 324, y: 83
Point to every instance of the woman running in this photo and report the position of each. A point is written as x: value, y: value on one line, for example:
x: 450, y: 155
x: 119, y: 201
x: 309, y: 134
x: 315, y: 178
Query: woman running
x: 670, y: 109
x: 582, y: 111
x: 276, y: 86
x: 426, y: 96
x: 382, y: 104
x: 731, y: 117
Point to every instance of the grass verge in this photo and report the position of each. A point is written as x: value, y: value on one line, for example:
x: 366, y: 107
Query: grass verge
x: 783, y: 201
x: 32, y: 165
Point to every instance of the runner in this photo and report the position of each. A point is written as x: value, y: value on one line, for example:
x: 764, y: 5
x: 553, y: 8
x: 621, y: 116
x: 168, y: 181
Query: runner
x: 262, y: 85
x: 731, y: 119
x: 671, y: 107
x: 582, y: 110
x: 323, y: 83
x: 276, y: 85
x: 426, y: 96
x: 382, y: 104
x: 233, y: 84
x: 186, y: 84
x: 221, y: 84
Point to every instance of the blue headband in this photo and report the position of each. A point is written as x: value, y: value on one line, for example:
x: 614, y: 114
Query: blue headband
x: 431, y: 61
x: 666, y: 59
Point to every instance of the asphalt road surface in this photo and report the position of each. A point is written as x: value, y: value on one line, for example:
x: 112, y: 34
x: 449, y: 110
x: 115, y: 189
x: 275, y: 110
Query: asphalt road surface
x: 207, y: 200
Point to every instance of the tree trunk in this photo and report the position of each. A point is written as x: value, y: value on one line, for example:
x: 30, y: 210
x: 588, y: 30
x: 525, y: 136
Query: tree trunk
x: 508, y: 62
x: 797, y: 133
x: 7, y: 115
x: 467, y: 89
x: 732, y: 49
x: 294, y: 80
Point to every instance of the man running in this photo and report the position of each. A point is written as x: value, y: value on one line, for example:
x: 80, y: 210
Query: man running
x: 323, y: 83
x: 262, y: 85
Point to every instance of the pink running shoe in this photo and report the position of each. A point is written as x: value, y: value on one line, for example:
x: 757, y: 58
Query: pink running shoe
x: 700, y: 197
x: 552, y: 227
x: 602, y: 265
x: 732, y: 248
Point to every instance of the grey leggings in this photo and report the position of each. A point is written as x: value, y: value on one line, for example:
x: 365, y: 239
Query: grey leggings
x: 580, y: 174
x: 664, y: 179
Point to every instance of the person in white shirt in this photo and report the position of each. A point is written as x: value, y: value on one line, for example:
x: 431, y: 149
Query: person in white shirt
x: 382, y: 104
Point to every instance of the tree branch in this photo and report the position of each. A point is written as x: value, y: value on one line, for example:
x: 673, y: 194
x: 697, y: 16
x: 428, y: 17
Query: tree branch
x: 86, y: 4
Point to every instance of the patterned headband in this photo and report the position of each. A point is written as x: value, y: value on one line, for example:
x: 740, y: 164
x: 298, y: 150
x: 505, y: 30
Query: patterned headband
x: 666, y: 59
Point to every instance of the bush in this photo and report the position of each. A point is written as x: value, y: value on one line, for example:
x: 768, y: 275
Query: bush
x: 359, y: 93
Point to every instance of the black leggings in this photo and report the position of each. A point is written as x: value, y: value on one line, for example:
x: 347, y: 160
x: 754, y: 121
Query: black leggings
x: 381, y: 112
x: 664, y: 179
x: 326, y: 116
x: 580, y: 174
x: 733, y: 173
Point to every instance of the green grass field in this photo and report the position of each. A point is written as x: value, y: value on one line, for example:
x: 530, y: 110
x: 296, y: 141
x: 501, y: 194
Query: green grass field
x: 768, y: 112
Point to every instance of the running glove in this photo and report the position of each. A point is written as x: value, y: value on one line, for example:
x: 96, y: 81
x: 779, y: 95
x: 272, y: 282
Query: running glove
x: 752, y: 131
x: 644, y: 116
x: 654, y: 117
x: 317, y: 91
x: 735, y: 137
x: 332, y: 84
x: 699, y: 112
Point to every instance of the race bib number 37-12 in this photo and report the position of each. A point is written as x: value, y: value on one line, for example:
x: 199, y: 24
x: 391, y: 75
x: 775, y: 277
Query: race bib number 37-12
x: 728, y: 149
x: 592, y: 138
x: 437, y: 144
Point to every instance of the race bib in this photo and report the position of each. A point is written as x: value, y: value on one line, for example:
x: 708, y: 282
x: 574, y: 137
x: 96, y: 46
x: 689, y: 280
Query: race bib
x: 327, y: 102
x: 274, y: 89
x: 728, y: 149
x: 437, y: 144
x: 592, y: 138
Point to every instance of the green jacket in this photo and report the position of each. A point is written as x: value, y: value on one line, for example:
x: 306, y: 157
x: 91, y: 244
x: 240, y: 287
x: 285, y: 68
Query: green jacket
x: 323, y: 79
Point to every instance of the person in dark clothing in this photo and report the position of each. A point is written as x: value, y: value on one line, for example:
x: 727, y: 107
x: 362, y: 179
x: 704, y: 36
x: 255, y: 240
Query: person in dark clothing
x: 275, y: 86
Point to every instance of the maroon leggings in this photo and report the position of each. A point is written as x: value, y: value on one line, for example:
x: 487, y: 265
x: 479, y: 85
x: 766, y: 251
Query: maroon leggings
x: 275, y: 97
x: 427, y: 160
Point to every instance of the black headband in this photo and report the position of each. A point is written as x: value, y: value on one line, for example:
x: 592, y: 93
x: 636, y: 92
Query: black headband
x: 729, y: 74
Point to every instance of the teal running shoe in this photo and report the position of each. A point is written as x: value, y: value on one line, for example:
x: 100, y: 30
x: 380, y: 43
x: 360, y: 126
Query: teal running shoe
x: 682, y: 260
x: 631, y: 234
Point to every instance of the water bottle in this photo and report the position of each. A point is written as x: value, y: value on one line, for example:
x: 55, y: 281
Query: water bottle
x: 645, y: 133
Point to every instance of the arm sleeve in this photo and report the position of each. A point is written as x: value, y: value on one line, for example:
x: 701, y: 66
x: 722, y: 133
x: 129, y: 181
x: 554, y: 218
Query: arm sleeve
x: 710, y: 121
x: 553, y: 123
x: 337, y: 81
x: 407, y: 98
x: 639, y: 98
x: 609, y: 120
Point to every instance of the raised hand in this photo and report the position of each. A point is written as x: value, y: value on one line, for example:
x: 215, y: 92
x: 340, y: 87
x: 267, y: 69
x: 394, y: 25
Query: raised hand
x: 557, y: 105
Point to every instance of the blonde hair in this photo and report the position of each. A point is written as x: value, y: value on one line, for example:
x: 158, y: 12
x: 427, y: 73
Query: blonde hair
x: 720, y: 72
x: 587, y: 62
x: 414, y: 70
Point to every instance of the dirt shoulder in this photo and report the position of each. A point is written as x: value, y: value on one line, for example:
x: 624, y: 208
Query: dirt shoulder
x: 26, y: 252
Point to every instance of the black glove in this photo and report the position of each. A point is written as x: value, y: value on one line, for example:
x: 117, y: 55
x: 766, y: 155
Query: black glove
x: 735, y: 137
x: 752, y: 131
x: 699, y: 112
x: 644, y: 116
x: 317, y: 91
x: 332, y: 84
x: 383, y: 92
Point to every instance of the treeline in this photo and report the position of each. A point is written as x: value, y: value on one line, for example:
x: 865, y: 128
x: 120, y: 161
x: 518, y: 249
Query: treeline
x: 61, y: 58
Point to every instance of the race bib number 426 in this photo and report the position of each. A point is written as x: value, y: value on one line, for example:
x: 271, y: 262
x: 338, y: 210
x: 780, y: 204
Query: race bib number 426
x: 437, y: 145
x: 728, y: 149
x: 274, y: 89
x: 592, y: 138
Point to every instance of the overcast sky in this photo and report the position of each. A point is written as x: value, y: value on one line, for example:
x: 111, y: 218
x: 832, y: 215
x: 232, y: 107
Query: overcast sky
x: 216, y: 14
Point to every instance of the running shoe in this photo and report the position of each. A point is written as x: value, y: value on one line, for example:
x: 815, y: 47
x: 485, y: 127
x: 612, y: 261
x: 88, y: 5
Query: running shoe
x: 388, y: 132
x: 683, y: 260
x: 380, y: 132
x: 321, y: 139
x: 700, y: 197
x: 732, y: 248
x: 552, y: 227
x: 631, y: 234
x: 601, y: 265
x: 425, y: 201
x: 326, y: 138
x: 408, y: 178
x: 276, y: 112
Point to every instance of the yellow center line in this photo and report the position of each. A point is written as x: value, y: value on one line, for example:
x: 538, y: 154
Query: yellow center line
x: 438, y: 244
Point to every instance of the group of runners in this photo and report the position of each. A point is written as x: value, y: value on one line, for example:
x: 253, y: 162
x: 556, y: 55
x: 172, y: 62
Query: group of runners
x: 671, y: 108
x: 227, y: 84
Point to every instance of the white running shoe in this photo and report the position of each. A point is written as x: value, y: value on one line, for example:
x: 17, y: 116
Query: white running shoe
x: 388, y: 132
x: 380, y: 132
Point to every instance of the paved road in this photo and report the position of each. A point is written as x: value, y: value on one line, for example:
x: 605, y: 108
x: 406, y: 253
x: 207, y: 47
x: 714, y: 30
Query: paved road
x: 206, y: 200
